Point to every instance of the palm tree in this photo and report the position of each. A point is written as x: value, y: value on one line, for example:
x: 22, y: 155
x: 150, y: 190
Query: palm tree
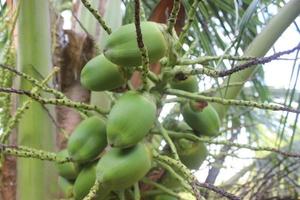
x: 223, y: 43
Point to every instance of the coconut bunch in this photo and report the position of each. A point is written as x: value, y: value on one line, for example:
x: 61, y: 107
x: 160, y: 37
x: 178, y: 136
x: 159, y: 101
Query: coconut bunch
x: 113, y: 151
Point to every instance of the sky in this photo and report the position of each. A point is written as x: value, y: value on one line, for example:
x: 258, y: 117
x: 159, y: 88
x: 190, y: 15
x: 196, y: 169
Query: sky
x: 277, y: 73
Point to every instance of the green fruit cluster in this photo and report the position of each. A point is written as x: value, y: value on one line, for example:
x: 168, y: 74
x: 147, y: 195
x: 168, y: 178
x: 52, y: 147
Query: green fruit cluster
x: 121, y: 54
x: 130, y: 119
x: 121, y: 47
x: 121, y: 168
x: 112, y: 151
x: 200, y: 116
x: 204, y: 121
x: 87, y: 140
x: 100, y: 74
x: 68, y: 170
x: 117, y: 168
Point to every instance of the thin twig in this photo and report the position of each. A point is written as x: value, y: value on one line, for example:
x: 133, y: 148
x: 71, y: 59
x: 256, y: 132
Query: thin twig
x: 192, y: 180
x: 39, y: 84
x: 174, y: 174
x: 169, y: 141
x: 173, y: 15
x: 93, y: 191
x: 160, y: 186
x: 206, y: 59
x: 257, y: 61
x: 137, y: 193
x: 139, y: 38
x: 21, y: 110
x: 26, y: 152
x: 56, y: 124
x: 267, y: 106
x: 182, y: 168
x: 64, y: 102
x: 193, y: 137
x: 34, y: 81
x: 96, y: 14
x: 190, y: 20
x: 80, y: 24
x: 218, y: 191
x: 252, y: 61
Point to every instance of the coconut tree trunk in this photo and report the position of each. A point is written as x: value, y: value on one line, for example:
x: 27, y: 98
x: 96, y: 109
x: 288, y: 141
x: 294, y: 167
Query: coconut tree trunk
x: 35, y: 179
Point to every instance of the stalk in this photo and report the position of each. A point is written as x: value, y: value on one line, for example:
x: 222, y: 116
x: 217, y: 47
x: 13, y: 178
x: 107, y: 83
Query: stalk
x: 258, y: 48
x: 35, y: 179
x: 88, y: 20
